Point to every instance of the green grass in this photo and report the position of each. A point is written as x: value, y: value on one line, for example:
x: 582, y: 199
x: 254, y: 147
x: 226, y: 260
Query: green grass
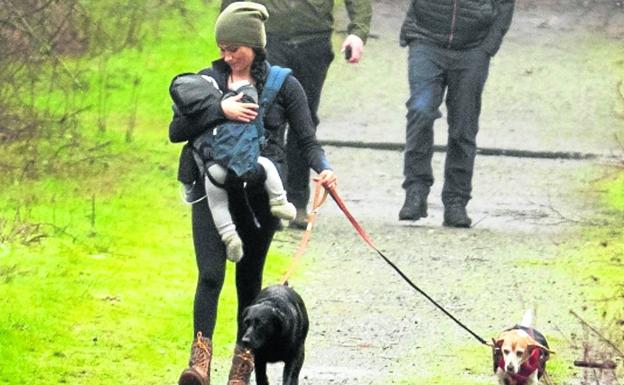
x: 602, y: 246
x: 115, y: 305
x: 595, y: 262
x: 109, y: 298
x: 105, y: 296
x: 184, y: 44
x: 615, y: 193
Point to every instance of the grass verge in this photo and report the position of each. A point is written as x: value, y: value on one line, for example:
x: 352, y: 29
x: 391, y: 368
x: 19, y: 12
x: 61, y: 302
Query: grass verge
x: 97, y: 270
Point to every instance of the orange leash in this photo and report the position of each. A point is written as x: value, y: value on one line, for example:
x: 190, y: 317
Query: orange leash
x: 319, y: 200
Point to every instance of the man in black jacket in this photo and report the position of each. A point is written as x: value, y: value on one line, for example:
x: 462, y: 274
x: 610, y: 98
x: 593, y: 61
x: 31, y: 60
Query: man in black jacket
x: 450, y: 45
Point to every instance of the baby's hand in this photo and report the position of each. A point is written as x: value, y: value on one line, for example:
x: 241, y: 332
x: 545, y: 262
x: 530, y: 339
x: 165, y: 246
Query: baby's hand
x: 233, y: 109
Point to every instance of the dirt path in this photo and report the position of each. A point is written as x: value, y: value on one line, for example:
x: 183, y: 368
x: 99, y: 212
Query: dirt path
x: 551, y: 88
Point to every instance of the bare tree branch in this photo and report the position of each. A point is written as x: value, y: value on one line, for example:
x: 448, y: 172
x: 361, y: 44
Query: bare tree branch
x: 44, y: 44
x: 607, y: 341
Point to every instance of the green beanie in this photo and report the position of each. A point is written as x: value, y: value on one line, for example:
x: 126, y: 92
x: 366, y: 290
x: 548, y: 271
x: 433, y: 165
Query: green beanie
x: 242, y: 24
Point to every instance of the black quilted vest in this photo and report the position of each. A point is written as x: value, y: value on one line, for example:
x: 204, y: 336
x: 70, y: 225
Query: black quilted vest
x: 454, y: 24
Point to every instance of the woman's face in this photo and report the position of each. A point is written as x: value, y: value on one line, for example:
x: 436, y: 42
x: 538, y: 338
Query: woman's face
x: 239, y: 58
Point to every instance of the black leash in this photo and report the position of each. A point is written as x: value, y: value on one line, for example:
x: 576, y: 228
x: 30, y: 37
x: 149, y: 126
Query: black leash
x: 360, y: 230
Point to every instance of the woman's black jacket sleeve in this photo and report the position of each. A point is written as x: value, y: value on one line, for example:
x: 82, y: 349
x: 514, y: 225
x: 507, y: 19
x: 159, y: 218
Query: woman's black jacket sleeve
x: 297, y: 113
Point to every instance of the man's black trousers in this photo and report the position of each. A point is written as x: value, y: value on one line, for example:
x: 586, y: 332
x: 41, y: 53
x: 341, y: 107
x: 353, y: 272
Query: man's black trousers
x: 309, y: 61
x: 432, y: 70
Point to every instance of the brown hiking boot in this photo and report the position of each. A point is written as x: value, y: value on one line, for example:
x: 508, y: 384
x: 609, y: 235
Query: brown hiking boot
x: 198, y: 372
x: 242, y: 366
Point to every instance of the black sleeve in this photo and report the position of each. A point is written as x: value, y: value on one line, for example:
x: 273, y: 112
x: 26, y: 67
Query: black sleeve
x: 499, y: 28
x: 188, y: 127
x: 300, y: 120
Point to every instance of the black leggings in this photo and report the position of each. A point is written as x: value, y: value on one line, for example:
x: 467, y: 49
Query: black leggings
x: 256, y: 232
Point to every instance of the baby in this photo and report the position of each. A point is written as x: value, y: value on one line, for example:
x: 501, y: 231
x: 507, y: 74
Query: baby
x: 190, y: 95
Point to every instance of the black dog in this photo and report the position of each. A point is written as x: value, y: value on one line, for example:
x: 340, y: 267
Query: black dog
x: 276, y: 326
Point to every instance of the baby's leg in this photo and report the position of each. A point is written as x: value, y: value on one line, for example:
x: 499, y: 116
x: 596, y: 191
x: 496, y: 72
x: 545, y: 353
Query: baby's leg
x: 280, y: 207
x: 219, y: 207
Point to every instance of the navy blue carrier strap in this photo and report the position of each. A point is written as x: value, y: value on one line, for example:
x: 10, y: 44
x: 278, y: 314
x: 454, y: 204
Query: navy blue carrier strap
x: 275, y: 80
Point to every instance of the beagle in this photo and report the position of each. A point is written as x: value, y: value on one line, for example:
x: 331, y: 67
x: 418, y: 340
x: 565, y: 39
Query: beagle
x: 520, y: 354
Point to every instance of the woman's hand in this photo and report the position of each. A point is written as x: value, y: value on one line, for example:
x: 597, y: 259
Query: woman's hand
x: 235, y: 110
x: 327, y: 178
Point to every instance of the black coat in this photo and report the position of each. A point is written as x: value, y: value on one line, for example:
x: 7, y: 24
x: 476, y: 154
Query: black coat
x: 458, y: 24
x: 289, y: 108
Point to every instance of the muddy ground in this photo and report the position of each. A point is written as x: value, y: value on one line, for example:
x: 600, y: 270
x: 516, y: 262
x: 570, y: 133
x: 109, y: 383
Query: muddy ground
x: 552, y: 87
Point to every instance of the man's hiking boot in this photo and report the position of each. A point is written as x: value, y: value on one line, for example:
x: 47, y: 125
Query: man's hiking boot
x: 198, y: 372
x: 233, y: 246
x: 455, y: 215
x: 301, y: 220
x: 283, y: 209
x: 415, y: 206
x: 242, y: 366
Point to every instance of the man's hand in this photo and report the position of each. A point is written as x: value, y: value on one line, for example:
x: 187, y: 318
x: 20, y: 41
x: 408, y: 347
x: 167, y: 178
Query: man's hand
x: 327, y: 178
x: 357, y: 48
x: 235, y: 110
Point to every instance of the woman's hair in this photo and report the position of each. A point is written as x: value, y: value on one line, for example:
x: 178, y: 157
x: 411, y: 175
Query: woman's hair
x: 258, y: 68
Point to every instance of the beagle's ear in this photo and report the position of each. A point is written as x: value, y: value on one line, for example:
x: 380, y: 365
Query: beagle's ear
x: 498, y: 341
x: 534, y: 344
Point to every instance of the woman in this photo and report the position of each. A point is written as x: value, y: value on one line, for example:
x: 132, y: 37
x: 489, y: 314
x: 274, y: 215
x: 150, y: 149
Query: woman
x: 241, y: 38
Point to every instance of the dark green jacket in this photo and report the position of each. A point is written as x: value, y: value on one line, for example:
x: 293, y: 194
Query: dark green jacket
x: 303, y: 19
x: 458, y: 24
